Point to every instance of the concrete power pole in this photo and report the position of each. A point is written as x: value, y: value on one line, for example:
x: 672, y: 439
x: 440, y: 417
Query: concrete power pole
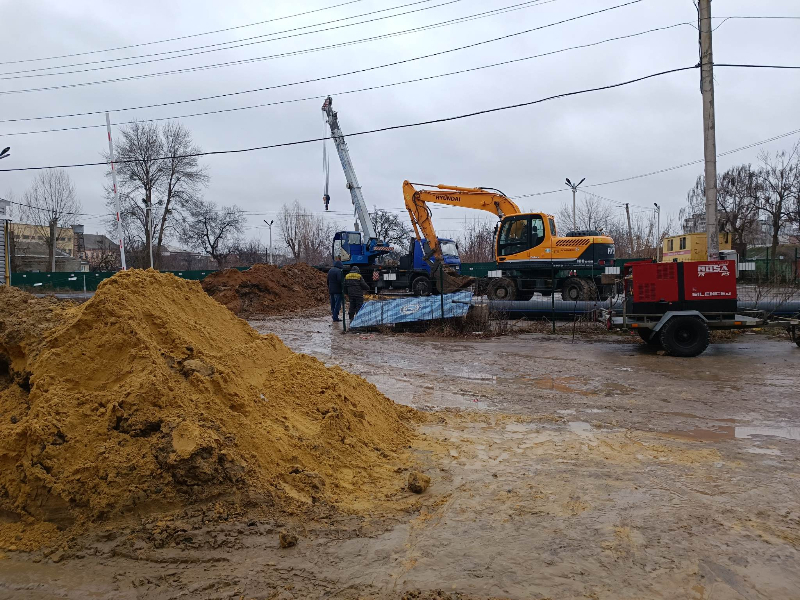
x: 630, y: 229
x: 709, y: 127
x: 574, y: 187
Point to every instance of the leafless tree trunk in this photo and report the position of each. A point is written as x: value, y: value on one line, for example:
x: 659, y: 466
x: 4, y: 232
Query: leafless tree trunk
x: 49, y: 202
x: 290, y: 225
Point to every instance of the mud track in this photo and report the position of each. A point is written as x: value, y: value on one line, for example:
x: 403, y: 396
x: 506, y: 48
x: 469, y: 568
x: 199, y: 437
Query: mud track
x: 590, y: 470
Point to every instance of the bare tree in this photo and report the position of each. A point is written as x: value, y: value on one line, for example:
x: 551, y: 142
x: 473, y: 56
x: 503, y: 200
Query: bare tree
x: 316, y: 240
x: 155, y: 169
x: 779, y: 185
x: 591, y: 213
x: 307, y: 236
x: 390, y: 227
x: 476, y: 244
x: 738, y: 190
x: 183, y: 175
x: 212, y: 229
x: 49, y: 203
x: 290, y: 219
x: 140, y: 171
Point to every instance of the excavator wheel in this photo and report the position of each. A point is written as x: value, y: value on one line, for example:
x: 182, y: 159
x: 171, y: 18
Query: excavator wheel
x: 590, y: 289
x: 573, y: 289
x: 502, y: 289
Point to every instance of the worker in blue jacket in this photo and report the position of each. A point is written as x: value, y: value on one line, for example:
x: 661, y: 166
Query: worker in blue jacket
x: 335, y: 283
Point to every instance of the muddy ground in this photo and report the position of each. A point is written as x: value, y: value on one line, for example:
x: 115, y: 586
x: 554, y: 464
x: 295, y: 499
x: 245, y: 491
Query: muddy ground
x: 595, y: 469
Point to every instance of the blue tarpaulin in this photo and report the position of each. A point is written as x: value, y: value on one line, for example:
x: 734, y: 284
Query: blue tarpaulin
x: 408, y: 310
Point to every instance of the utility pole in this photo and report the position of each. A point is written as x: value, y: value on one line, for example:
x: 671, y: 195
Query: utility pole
x: 574, y: 187
x: 116, y: 194
x: 709, y: 127
x: 658, y: 232
x: 269, y: 252
x: 630, y: 229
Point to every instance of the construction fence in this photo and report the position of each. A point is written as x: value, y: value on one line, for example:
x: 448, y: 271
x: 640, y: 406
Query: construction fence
x: 78, y: 281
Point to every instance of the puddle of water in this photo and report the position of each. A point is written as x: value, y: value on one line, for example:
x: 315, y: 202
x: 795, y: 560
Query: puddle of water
x: 705, y: 435
x: 566, y: 411
x: 788, y: 433
x: 580, y: 427
x: 560, y: 384
x: 693, y: 416
x: 770, y: 451
x: 728, y: 432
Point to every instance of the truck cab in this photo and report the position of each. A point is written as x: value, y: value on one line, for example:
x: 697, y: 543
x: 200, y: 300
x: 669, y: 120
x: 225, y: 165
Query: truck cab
x: 415, y: 259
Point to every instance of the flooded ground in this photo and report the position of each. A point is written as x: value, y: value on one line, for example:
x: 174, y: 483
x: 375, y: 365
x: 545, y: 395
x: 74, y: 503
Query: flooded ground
x: 595, y: 469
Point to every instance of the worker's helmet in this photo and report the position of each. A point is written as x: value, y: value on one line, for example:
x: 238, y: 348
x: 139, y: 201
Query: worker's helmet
x: 355, y: 270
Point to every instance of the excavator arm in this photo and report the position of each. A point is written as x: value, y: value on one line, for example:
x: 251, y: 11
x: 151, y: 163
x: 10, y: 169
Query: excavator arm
x: 493, y: 201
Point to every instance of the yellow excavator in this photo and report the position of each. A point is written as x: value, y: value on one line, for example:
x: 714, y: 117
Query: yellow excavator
x: 530, y: 256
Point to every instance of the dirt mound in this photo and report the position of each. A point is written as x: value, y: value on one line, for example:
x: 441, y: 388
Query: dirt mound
x: 152, y: 395
x: 267, y: 289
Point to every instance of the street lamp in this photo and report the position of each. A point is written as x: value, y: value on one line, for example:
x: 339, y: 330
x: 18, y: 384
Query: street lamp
x: 6, y: 152
x: 574, y: 187
x: 269, y: 252
x: 658, y: 231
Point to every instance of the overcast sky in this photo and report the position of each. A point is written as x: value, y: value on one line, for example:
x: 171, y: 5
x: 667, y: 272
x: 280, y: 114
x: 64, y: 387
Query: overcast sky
x: 602, y: 136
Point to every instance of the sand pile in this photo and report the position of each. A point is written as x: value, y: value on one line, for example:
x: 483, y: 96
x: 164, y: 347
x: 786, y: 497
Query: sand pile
x: 267, y: 289
x: 152, y: 395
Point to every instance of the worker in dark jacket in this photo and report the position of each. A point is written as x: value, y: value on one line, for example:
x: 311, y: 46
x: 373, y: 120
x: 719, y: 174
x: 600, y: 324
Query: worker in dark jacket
x: 354, y: 287
x: 335, y: 283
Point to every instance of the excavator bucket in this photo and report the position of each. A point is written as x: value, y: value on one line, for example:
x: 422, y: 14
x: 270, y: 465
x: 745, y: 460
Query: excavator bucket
x: 448, y: 281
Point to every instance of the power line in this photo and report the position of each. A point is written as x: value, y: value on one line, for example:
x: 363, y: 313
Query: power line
x: 672, y: 168
x: 323, y: 78
x: 386, y: 85
x: 217, y: 48
x: 381, y: 129
x: 183, y: 37
x: 757, y: 66
x: 307, y: 50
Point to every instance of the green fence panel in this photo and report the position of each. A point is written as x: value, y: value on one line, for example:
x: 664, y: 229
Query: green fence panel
x: 75, y: 281
x: 480, y: 269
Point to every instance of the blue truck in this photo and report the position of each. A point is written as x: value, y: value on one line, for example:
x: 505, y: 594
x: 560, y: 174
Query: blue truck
x: 409, y: 272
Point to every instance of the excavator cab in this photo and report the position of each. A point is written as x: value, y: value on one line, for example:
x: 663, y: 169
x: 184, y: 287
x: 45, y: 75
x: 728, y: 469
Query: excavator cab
x: 522, y: 236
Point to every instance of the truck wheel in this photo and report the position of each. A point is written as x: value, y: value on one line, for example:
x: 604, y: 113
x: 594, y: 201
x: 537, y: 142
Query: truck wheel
x: 685, y: 336
x: 421, y: 286
x: 650, y: 337
x: 502, y: 289
x: 573, y: 289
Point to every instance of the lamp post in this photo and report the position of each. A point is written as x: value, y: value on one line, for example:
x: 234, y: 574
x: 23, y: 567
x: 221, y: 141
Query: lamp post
x: 658, y: 231
x: 574, y: 187
x: 6, y: 152
x: 269, y: 252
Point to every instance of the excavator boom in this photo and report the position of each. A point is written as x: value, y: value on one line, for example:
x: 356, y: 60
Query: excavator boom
x: 491, y: 200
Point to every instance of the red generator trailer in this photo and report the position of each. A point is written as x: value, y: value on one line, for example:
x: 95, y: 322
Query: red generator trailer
x: 675, y: 305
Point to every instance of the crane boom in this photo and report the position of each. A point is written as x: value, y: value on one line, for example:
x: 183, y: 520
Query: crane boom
x: 493, y: 201
x: 349, y: 171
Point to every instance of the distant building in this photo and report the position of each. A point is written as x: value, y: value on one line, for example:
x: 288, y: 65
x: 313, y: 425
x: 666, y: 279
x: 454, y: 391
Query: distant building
x: 691, y: 246
x: 100, y: 252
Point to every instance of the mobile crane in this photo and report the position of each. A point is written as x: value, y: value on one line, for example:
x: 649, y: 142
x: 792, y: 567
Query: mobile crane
x: 350, y: 247
x: 529, y: 254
